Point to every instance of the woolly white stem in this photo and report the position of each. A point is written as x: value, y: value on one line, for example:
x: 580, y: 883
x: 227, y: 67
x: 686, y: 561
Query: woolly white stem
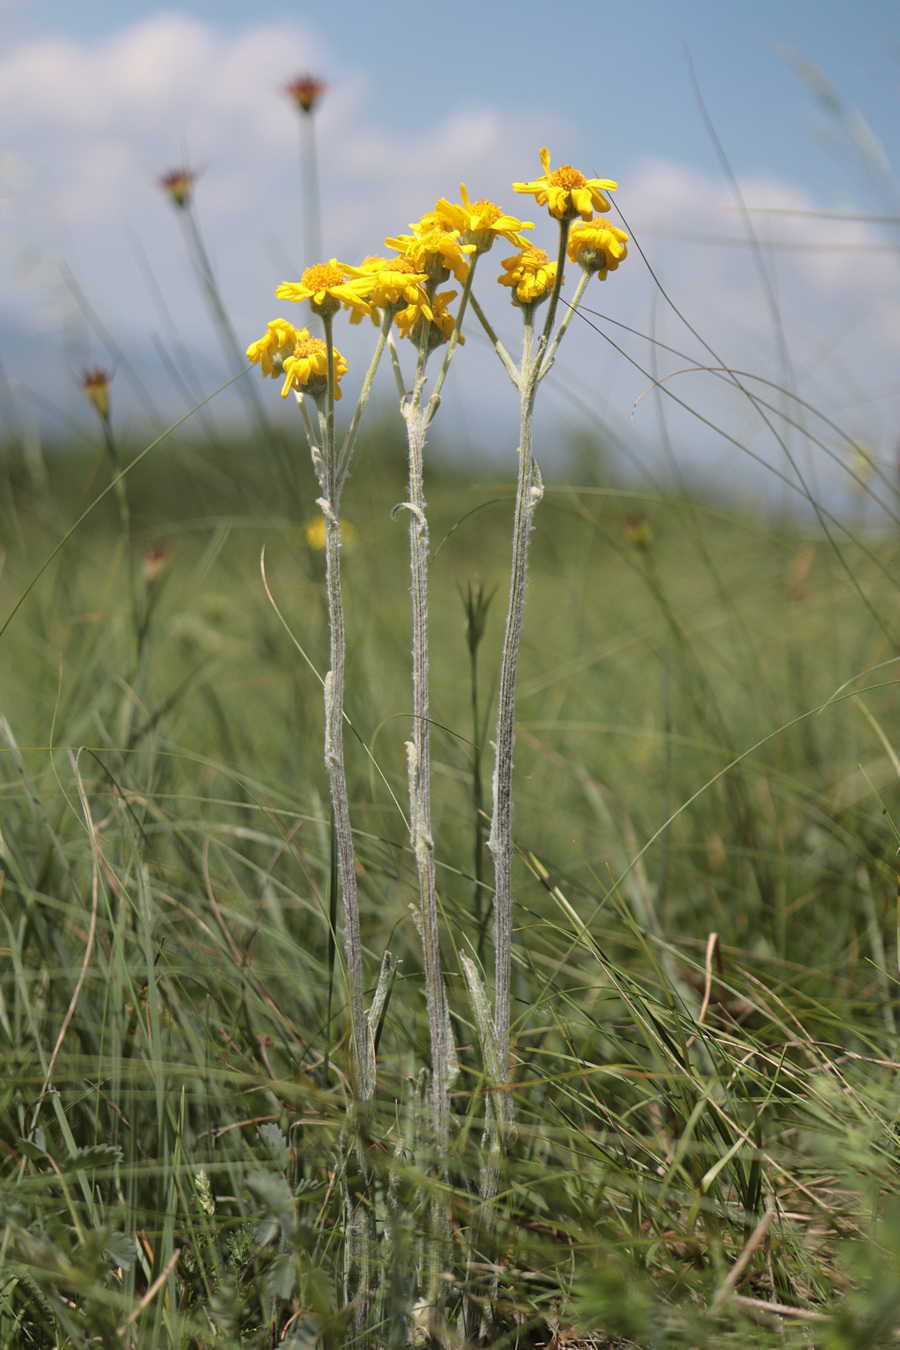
x: 363, y: 1059
x: 528, y: 493
x: 443, y: 1058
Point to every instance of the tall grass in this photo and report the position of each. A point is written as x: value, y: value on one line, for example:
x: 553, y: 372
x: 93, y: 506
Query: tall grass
x: 173, y: 1160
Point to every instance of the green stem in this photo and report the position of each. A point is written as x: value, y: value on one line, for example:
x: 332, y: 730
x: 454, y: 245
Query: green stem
x: 309, y: 178
x: 350, y: 439
x: 478, y: 804
x: 233, y: 353
x: 576, y: 300
x: 557, y: 284
x: 121, y: 494
x: 508, y: 363
x: 434, y: 401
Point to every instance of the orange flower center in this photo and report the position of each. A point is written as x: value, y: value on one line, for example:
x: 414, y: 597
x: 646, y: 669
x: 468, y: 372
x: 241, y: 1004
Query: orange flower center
x: 323, y: 276
x: 567, y: 177
x: 402, y: 265
x: 486, y: 211
x: 533, y: 259
x: 308, y: 347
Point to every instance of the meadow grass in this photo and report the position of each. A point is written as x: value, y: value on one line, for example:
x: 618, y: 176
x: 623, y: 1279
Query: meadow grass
x: 703, y: 1010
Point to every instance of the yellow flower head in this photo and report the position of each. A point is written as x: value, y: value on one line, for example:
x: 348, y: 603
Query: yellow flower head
x: 95, y: 383
x: 370, y: 266
x: 440, y: 324
x: 279, y: 342
x: 598, y: 246
x: 179, y: 184
x: 480, y: 222
x: 434, y: 250
x: 566, y: 192
x: 531, y: 273
x: 303, y: 360
x: 398, y: 281
x: 306, y: 369
x: 306, y: 91
x: 329, y: 285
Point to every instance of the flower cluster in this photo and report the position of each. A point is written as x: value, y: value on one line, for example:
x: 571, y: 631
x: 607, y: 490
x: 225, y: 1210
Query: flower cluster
x: 444, y: 243
x: 300, y: 358
x: 411, y: 321
x: 434, y: 249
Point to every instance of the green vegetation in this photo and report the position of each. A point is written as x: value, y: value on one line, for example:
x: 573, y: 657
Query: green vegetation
x: 707, y: 1135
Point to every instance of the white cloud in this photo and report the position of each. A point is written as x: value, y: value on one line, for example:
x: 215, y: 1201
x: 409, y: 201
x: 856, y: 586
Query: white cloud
x: 825, y: 275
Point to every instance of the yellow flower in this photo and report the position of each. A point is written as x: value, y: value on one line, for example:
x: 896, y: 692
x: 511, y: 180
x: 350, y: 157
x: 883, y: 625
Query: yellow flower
x: 566, y: 192
x: 398, y: 281
x: 303, y: 360
x: 279, y: 342
x: 329, y: 285
x: 479, y: 222
x: 395, y: 282
x: 440, y: 324
x: 306, y: 369
x: 598, y: 246
x: 370, y: 266
x: 531, y: 273
x: 434, y: 250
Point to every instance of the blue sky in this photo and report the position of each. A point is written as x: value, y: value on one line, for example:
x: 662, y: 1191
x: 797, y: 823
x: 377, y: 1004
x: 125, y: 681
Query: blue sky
x: 96, y: 100
x: 616, y: 73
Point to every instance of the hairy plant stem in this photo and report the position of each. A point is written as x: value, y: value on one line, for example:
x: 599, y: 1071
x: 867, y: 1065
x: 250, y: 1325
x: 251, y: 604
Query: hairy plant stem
x: 362, y: 1057
x: 418, y: 752
x: 419, y: 760
x: 529, y: 490
x: 477, y: 806
x: 444, y: 1065
x: 359, y: 1221
x: 528, y: 494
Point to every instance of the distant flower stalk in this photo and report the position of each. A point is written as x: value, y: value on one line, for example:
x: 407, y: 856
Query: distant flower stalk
x: 306, y: 91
